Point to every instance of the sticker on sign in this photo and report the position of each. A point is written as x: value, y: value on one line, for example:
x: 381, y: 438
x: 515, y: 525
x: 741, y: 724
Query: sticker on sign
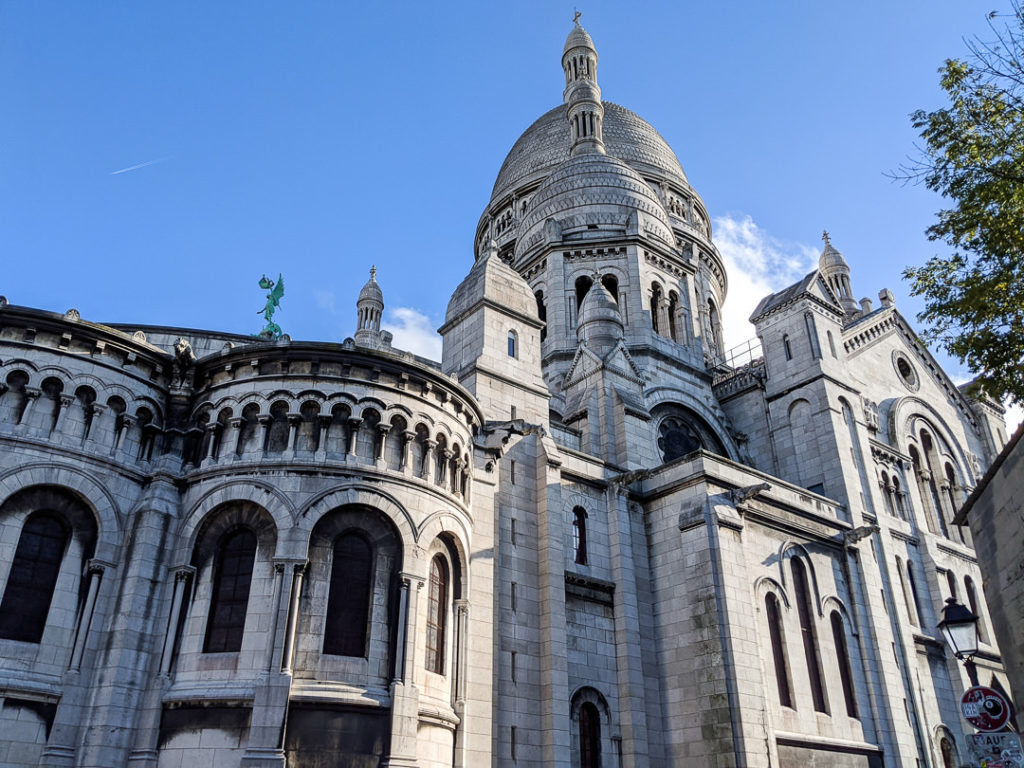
x: 985, y: 708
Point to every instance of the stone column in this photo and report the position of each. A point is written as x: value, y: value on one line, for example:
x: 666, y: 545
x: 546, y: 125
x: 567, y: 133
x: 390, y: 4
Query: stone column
x: 65, y: 403
x: 182, y: 578
x: 324, y: 424
x: 352, y: 438
x: 261, y: 445
x: 292, y: 627
x: 382, y: 442
x: 408, y: 436
x: 31, y: 396
x: 404, y: 693
x: 94, y: 575
x: 96, y: 411
x: 235, y: 441
x: 442, y: 467
x: 459, y: 679
x: 211, y: 442
x: 428, y: 459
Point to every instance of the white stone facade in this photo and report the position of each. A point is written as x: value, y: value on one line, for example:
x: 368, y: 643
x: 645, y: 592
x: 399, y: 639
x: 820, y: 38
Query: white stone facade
x: 585, y: 538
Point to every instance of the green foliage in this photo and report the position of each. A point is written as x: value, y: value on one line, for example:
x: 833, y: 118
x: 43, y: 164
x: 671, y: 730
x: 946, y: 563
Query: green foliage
x: 973, y: 155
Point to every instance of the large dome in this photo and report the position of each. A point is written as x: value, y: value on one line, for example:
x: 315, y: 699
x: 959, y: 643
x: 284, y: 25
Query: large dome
x: 545, y: 146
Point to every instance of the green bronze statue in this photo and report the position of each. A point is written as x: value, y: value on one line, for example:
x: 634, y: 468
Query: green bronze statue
x: 272, y: 330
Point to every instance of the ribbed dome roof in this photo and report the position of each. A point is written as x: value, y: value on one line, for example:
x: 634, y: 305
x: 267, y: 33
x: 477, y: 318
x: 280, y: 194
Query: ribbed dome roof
x: 371, y: 291
x: 592, y: 189
x: 830, y: 257
x: 545, y: 145
x: 578, y: 37
x: 598, y: 305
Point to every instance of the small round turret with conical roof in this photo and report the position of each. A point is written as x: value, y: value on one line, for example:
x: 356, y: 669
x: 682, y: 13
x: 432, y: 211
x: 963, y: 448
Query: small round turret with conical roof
x: 836, y: 271
x: 582, y: 95
x: 600, y: 322
x: 369, y: 309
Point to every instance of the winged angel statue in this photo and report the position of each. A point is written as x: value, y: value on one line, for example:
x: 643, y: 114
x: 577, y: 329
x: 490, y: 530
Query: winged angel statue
x: 272, y: 330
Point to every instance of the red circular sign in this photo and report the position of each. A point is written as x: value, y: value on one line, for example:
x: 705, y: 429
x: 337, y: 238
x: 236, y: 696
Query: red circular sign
x: 985, y: 708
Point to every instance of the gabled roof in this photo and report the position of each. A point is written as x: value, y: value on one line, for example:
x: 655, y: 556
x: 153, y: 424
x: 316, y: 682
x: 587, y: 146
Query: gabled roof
x: 812, y: 284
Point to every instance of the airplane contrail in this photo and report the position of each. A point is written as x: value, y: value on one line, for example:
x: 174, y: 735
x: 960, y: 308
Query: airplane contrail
x: 140, y: 165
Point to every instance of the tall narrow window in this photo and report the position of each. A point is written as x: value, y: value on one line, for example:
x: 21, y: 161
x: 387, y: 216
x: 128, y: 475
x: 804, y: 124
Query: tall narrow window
x: 673, y: 310
x: 831, y: 343
x: 913, y: 592
x: 655, y: 307
x: 232, y: 578
x: 786, y: 346
x: 716, y: 327
x: 899, y: 497
x: 437, y: 614
x: 947, y: 753
x: 512, y: 347
x: 972, y: 600
x: 590, y: 736
x: 771, y: 605
x: 806, y: 613
x: 812, y: 335
x: 32, y: 578
x: 843, y: 657
x: 579, y: 535
x: 542, y: 314
x: 348, y: 606
x: 911, y: 613
x: 612, y: 284
x: 583, y: 284
x: 951, y: 583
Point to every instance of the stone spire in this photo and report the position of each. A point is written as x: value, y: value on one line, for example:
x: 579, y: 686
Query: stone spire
x: 370, y: 308
x: 836, y: 271
x: 582, y: 95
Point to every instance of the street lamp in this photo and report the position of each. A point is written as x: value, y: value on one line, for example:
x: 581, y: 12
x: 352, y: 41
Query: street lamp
x: 959, y: 629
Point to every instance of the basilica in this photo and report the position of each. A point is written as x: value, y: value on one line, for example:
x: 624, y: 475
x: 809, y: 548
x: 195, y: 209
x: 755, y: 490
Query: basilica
x: 589, y: 536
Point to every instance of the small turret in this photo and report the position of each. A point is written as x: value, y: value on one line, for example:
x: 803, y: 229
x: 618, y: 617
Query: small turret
x: 369, y: 308
x: 600, y: 323
x: 582, y: 94
x: 836, y: 271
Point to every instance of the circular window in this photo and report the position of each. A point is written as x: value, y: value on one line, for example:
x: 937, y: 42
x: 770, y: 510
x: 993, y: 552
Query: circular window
x: 905, y: 370
x: 677, y: 438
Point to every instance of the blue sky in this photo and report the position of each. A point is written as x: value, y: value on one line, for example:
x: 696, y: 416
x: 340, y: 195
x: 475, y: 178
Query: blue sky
x: 157, y: 158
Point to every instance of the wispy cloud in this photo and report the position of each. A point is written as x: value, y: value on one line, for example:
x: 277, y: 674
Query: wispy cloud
x: 757, y: 264
x: 413, y: 332
x: 324, y: 300
x: 139, y: 165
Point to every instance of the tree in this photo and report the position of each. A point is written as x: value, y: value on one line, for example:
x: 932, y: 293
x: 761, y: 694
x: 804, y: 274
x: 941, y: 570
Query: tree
x: 973, y: 155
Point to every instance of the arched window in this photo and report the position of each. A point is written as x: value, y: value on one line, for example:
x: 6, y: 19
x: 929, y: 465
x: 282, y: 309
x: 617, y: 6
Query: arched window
x: 513, y: 344
x: 655, y: 306
x: 900, y: 496
x: 612, y: 284
x: 913, y: 592
x: 230, y: 599
x: 583, y: 284
x: 786, y: 346
x: 542, y: 313
x: 437, y: 614
x: 771, y: 607
x: 579, y: 535
x: 805, y: 610
x: 887, y: 494
x: 32, y: 578
x: 716, y: 327
x: 831, y: 343
x: 947, y: 753
x: 590, y: 736
x: 901, y: 573
x: 348, y: 607
x: 972, y: 600
x: 843, y: 657
x: 673, y: 309
x: 812, y: 335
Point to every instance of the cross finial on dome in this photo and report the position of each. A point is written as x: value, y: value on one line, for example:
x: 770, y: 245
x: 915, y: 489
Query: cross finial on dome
x: 576, y: 16
x: 373, y: 273
x: 826, y: 238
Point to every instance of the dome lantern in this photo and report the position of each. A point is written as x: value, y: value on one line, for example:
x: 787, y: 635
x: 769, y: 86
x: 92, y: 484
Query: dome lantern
x: 369, y: 309
x: 582, y: 95
x: 836, y: 271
